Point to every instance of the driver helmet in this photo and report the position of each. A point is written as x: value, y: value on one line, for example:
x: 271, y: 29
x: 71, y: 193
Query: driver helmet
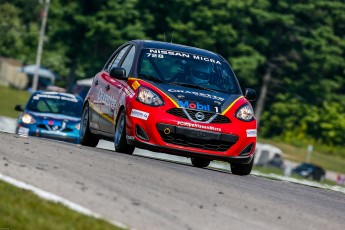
x: 200, y: 73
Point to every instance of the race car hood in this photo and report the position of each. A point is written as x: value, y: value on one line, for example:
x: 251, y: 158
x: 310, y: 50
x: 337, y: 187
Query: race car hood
x: 198, y: 99
x: 53, y: 116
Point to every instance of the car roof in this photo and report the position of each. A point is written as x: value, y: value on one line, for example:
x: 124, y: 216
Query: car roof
x: 177, y: 47
x: 310, y: 165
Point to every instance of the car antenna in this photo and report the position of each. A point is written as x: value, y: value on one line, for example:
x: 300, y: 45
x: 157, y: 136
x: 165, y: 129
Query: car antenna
x: 172, y: 36
x: 164, y: 37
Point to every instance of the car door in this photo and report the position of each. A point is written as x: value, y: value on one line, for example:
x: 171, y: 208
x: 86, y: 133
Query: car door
x: 94, y: 103
x: 112, y: 88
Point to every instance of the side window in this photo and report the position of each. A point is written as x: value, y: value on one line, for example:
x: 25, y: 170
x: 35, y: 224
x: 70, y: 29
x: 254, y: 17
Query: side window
x: 127, y: 63
x: 117, y: 58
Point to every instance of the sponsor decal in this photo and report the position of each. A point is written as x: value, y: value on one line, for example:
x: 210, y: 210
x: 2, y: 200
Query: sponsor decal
x: 205, y: 95
x: 57, y: 132
x: 192, y: 105
x: 57, y: 97
x: 108, y: 100
x: 199, y: 126
x: 135, y: 85
x: 69, y: 99
x: 206, y: 59
x: 139, y: 114
x: 251, y: 132
x: 129, y: 92
x: 154, y: 52
x: 160, y: 54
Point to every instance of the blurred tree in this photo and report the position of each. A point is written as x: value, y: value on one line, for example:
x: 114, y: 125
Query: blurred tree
x: 87, y: 32
x: 16, y: 34
x: 292, y: 52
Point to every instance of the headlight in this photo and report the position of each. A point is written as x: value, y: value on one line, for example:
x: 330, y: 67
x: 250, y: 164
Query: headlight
x: 28, y: 119
x: 77, y: 126
x: 245, y: 113
x: 149, y: 97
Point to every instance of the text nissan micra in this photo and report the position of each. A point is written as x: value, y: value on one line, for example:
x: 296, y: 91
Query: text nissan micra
x: 174, y: 99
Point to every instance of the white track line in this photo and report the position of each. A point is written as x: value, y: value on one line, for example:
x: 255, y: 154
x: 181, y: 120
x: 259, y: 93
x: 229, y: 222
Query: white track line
x: 56, y: 199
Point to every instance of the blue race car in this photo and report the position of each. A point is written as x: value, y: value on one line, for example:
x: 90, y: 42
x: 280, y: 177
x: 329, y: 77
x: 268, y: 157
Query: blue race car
x: 51, y: 115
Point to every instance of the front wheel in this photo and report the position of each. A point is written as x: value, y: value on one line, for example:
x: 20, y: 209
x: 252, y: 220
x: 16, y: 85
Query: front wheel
x: 120, y: 142
x: 86, y: 137
x: 200, y: 162
x: 242, y: 169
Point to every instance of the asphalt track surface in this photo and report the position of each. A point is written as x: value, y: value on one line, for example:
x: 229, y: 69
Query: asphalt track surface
x: 145, y: 193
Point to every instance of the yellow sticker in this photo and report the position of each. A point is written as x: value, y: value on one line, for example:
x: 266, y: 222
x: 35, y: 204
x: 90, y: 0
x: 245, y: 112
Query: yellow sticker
x: 135, y: 85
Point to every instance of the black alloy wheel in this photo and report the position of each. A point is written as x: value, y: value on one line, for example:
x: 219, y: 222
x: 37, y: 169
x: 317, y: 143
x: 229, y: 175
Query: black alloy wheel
x: 120, y: 141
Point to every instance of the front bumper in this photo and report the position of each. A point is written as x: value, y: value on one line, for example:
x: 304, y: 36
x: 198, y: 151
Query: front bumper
x: 186, y: 153
x: 195, y: 138
x: 72, y: 137
x: 168, y: 133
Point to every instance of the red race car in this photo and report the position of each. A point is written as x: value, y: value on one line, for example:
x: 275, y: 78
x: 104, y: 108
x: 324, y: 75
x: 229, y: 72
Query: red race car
x: 174, y: 99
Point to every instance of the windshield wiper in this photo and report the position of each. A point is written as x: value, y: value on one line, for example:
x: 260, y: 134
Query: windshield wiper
x: 151, y: 78
x: 192, y: 86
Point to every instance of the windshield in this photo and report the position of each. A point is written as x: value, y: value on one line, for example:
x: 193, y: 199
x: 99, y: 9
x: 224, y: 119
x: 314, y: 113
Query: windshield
x: 189, y: 70
x: 57, y: 104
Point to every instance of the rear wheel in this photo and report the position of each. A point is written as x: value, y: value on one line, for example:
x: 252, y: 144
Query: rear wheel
x: 242, y: 169
x: 200, y: 162
x: 120, y: 142
x: 86, y: 137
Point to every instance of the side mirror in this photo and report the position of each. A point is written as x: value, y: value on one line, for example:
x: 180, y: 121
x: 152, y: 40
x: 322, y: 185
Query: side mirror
x: 19, y: 108
x: 250, y: 94
x: 118, y: 73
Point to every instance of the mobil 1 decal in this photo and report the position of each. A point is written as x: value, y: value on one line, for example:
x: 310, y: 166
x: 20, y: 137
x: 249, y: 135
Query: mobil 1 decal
x: 209, y: 105
x: 199, y: 106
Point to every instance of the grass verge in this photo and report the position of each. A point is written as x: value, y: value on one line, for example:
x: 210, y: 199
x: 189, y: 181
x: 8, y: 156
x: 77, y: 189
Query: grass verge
x: 9, y: 99
x: 328, y: 162
x: 21, y: 209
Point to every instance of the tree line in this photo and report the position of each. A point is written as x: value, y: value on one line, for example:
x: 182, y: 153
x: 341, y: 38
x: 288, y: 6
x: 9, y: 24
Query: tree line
x: 291, y: 52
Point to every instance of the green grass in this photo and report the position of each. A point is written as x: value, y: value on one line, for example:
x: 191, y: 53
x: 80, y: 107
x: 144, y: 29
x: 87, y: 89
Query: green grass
x: 9, y: 99
x: 21, y: 209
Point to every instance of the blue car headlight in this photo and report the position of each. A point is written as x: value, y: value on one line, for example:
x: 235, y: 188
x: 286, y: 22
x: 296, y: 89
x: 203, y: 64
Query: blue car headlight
x: 149, y: 97
x: 28, y: 119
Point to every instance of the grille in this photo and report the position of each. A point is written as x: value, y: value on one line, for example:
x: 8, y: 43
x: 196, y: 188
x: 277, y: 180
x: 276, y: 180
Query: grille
x: 48, y: 127
x: 193, y: 112
x: 221, y: 119
x: 178, y: 112
x: 57, y: 128
x: 196, y: 138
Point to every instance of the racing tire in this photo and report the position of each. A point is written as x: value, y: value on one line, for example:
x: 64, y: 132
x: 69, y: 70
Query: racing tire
x: 85, y: 135
x: 120, y: 141
x: 242, y: 169
x: 200, y: 162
